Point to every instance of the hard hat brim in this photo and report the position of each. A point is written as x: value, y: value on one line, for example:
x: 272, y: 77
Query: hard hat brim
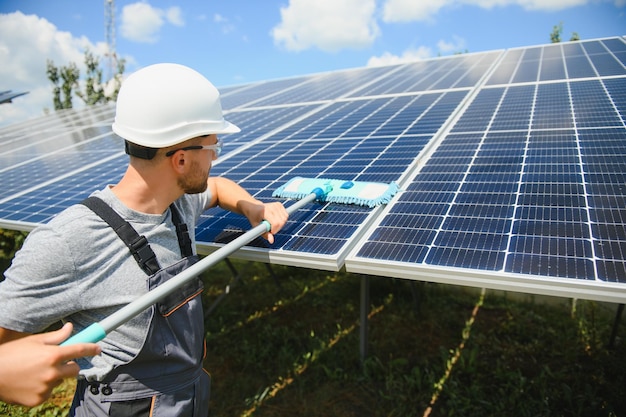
x: 175, y: 134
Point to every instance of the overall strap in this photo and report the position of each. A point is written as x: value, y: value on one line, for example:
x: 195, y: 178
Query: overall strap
x: 138, y: 245
x: 184, y: 241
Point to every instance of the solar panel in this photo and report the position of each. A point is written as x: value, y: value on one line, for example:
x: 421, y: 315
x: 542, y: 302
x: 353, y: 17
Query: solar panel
x: 8, y: 96
x: 526, y: 190
x: 511, y: 165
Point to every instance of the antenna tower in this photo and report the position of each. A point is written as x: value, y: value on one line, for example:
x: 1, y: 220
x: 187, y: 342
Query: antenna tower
x: 109, y: 28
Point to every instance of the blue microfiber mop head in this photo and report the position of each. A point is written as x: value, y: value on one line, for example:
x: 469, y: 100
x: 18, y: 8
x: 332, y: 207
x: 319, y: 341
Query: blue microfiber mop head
x: 370, y: 194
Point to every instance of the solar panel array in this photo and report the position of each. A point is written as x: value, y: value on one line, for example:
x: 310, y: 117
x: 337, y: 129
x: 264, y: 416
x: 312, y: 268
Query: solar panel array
x: 512, y: 165
x: 527, y: 186
x: 8, y: 96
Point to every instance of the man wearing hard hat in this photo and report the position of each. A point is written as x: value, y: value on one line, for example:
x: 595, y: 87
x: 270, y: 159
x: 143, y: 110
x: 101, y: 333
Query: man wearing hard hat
x: 129, y: 238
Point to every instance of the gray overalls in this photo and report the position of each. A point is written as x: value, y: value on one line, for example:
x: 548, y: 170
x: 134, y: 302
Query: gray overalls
x: 166, y: 377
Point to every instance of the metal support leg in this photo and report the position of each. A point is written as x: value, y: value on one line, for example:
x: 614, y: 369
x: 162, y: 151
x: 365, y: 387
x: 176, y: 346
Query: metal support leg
x: 273, y: 275
x: 415, y: 295
x: 234, y: 280
x: 618, y: 317
x: 232, y: 268
x: 365, y: 310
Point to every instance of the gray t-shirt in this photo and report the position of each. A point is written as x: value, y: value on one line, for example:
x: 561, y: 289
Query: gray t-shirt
x: 76, y: 268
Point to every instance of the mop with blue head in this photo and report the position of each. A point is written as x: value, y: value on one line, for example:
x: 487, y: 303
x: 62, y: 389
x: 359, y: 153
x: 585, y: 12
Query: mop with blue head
x: 362, y: 193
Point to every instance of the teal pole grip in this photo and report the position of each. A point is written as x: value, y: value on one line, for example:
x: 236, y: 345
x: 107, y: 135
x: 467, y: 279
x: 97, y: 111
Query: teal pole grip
x: 92, y: 334
x: 267, y: 224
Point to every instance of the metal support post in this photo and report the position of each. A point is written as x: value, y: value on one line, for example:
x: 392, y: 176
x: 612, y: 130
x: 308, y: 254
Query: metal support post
x: 365, y: 311
x: 618, y: 317
x: 233, y: 281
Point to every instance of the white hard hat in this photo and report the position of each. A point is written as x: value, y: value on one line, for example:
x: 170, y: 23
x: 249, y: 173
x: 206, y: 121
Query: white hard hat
x: 165, y: 104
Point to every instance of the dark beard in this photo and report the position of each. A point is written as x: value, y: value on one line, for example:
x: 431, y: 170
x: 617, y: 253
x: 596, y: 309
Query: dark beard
x: 195, y: 182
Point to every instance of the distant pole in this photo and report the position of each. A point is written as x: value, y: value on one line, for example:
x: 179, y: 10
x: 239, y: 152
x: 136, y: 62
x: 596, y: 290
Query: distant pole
x: 109, y: 33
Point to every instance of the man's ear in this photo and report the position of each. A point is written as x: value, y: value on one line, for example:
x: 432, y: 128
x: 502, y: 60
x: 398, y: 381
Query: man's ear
x: 178, y: 162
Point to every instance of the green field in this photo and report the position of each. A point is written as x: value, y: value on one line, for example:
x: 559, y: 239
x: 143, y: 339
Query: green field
x: 286, y: 343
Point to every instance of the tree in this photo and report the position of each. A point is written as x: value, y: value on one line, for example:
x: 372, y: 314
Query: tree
x: 95, y: 91
x: 69, y: 77
x: 53, y: 75
x: 115, y: 83
x: 10, y: 242
x: 555, y: 36
x: 557, y: 30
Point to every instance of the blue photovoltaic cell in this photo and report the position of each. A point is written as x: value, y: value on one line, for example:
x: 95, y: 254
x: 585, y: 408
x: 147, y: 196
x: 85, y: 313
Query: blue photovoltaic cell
x: 552, y: 67
x: 604, y: 157
x: 528, y: 66
x: 515, y: 108
x: 582, y: 60
x: 326, y: 87
x: 592, y: 106
x: 33, y: 154
x: 41, y: 204
x: 577, y: 62
x: 617, y: 93
x: 246, y: 95
x: 20, y: 142
x: 56, y: 162
x: 603, y: 61
x: 504, y: 71
x: 259, y: 122
x: 552, y: 107
x: 478, y: 116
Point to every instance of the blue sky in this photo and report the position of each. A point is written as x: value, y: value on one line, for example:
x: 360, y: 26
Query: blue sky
x: 239, y: 41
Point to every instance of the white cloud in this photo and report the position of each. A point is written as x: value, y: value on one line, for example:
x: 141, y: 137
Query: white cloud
x: 224, y: 22
x: 543, y: 5
x: 26, y: 42
x: 457, y: 45
x: 140, y: 22
x: 412, y: 10
x: 175, y: 16
x: 329, y: 25
x: 410, y: 55
x: 409, y: 10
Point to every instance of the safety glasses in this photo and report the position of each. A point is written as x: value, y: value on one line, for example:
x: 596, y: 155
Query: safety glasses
x: 217, y: 148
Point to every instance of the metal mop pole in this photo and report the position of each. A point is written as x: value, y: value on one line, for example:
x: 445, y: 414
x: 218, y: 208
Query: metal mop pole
x: 98, y: 331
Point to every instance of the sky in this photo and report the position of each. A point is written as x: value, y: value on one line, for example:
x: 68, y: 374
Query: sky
x: 234, y: 42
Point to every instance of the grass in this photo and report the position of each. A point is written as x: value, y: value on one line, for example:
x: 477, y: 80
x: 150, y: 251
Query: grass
x: 288, y: 344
